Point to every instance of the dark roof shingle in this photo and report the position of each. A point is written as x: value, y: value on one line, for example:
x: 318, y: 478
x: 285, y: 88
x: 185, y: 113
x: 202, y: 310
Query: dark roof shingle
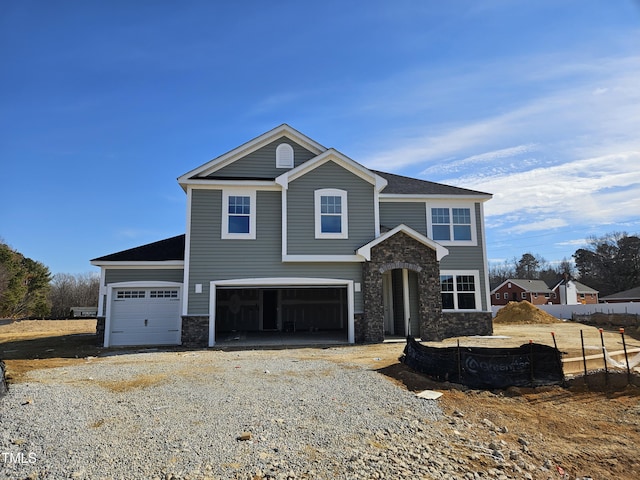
x: 399, y: 184
x: 163, y: 250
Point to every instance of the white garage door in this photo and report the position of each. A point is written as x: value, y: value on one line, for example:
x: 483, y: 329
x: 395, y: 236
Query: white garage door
x: 145, y: 316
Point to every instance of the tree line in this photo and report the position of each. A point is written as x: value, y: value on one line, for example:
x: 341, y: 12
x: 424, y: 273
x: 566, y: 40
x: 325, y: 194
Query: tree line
x: 609, y: 264
x: 28, y: 290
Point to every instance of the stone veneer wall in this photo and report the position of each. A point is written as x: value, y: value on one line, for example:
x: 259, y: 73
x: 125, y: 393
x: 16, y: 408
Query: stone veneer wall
x: 195, y: 331
x: 100, y: 326
x: 359, y: 328
x: 401, y: 251
x: 461, y: 324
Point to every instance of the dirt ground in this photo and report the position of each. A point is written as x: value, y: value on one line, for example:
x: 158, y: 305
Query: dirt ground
x: 586, y: 429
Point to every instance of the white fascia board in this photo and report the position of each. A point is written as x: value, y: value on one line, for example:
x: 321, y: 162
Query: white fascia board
x: 145, y: 284
x: 251, y: 146
x: 203, y: 183
x: 365, y: 250
x: 332, y: 155
x: 485, y: 261
x: 322, y: 258
x: 402, y: 197
x: 187, y: 252
x: 284, y: 226
x: 102, y: 292
x: 280, y: 282
x: 169, y: 264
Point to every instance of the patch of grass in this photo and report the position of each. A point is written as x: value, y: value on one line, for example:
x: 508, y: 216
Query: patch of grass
x: 141, y: 381
x: 376, y: 444
x: 98, y: 423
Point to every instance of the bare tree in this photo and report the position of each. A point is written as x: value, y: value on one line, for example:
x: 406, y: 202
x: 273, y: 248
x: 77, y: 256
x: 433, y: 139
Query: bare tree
x: 68, y: 291
x: 500, y: 272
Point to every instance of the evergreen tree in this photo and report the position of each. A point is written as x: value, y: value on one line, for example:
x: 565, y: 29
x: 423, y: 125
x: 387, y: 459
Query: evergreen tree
x: 24, y: 285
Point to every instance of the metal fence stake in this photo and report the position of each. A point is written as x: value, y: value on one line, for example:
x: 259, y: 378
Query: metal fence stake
x: 531, y: 360
x: 604, y: 357
x: 459, y: 364
x: 584, y: 358
x: 626, y: 358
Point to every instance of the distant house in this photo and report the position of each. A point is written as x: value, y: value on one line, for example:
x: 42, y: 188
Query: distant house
x: 536, y: 292
x: 84, y: 312
x: 570, y: 292
x: 632, y: 295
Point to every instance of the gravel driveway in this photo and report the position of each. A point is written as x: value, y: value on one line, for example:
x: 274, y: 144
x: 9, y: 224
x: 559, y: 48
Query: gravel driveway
x: 214, y: 414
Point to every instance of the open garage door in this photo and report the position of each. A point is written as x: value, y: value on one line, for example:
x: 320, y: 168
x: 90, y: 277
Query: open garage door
x: 145, y: 316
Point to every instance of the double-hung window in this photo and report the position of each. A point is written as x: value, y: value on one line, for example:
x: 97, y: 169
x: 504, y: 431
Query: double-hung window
x: 239, y: 214
x: 460, y: 290
x: 331, y: 220
x: 452, y: 225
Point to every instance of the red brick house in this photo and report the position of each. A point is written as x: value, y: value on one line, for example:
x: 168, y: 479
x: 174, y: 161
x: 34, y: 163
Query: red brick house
x: 536, y: 292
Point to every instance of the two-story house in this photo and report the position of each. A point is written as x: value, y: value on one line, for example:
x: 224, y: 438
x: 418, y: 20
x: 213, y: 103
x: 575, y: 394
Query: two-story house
x: 287, y: 237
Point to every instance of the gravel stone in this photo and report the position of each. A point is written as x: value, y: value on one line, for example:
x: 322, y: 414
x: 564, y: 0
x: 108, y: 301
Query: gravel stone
x: 236, y: 415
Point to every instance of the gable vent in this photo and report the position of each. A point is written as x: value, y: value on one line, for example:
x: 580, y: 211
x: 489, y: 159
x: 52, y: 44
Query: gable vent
x: 284, y: 156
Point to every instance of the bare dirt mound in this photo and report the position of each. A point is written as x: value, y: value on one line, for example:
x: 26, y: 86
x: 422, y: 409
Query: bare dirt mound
x: 523, y: 313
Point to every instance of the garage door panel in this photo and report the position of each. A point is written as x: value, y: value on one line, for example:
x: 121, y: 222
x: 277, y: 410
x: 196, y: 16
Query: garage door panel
x: 144, y: 338
x: 145, y: 316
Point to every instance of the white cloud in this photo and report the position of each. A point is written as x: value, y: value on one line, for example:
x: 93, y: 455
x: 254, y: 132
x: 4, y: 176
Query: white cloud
x: 546, y: 224
x: 597, y: 190
x: 568, y: 110
x: 480, y: 159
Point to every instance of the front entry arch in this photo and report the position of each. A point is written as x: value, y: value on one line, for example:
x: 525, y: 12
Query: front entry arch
x: 401, y: 296
x: 414, y: 266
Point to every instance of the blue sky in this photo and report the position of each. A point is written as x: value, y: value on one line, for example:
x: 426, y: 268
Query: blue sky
x: 104, y: 104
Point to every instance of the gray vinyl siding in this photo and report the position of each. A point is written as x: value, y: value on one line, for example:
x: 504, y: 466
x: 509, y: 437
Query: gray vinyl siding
x: 469, y: 258
x: 215, y: 259
x: 117, y: 275
x: 262, y: 162
x: 412, y: 214
x: 301, y: 212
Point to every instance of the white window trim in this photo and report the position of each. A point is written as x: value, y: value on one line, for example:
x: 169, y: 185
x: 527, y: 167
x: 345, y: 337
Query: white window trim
x: 450, y: 205
x: 241, y: 192
x: 476, y: 279
x: 284, y: 156
x: 332, y: 192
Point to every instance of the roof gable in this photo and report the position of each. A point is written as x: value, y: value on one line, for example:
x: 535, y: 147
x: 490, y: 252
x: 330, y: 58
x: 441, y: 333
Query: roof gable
x: 338, y: 158
x: 249, y: 147
x: 365, y: 250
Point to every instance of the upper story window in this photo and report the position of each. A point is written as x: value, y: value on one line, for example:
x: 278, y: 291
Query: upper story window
x: 460, y: 290
x: 452, y: 225
x: 239, y: 214
x: 284, y: 156
x: 331, y: 218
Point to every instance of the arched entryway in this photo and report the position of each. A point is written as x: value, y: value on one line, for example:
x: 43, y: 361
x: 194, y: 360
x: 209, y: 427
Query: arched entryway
x: 401, y: 286
x: 401, y: 295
